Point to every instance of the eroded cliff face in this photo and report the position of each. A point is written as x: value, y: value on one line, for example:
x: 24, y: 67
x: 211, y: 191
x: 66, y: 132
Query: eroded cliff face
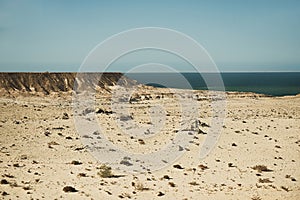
x: 46, y: 83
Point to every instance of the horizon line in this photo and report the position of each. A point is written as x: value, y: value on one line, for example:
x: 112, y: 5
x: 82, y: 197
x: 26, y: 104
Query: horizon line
x: 290, y: 71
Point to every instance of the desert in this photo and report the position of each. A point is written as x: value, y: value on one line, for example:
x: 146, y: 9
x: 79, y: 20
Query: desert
x: 44, y: 157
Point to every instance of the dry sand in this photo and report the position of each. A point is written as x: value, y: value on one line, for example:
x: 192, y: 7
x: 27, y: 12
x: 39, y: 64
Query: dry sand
x: 41, y: 152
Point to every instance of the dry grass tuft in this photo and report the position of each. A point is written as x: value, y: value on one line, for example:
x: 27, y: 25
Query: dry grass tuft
x: 140, y: 187
x: 256, y: 198
x: 264, y: 180
x: 194, y: 183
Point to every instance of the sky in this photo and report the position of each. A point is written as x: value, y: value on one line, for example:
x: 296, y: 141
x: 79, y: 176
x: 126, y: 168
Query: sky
x: 239, y: 35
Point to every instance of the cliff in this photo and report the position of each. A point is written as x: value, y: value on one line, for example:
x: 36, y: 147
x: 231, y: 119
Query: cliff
x: 58, y: 82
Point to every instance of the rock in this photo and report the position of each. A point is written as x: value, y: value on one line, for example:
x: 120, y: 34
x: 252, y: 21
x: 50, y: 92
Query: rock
x: 201, y: 132
x: 16, y: 165
x: 4, y: 193
x: 166, y: 177
x: 101, y: 111
x: 160, y: 194
x: 126, y: 162
x: 47, y: 133
x: 178, y: 167
x: 141, y: 141
x: 75, y: 162
x: 203, y: 167
x: 172, y: 184
x: 125, y: 117
x: 87, y: 111
x: 180, y: 148
x: 65, y: 116
x: 82, y: 175
x: 69, y: 189
x: 230, y: 165
x: 4, y: 182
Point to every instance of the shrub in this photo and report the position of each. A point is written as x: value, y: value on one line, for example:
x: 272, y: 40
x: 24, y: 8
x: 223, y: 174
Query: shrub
x: 261, y: 168
x: 105, y: 172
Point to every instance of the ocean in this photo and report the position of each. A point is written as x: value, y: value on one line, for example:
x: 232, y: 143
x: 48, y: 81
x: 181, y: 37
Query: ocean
x: 269, y: 83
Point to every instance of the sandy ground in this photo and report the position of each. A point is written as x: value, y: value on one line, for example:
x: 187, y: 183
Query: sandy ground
x: 41, y: 152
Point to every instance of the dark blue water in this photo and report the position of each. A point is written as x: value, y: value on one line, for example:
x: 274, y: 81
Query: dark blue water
x: 270, y: 83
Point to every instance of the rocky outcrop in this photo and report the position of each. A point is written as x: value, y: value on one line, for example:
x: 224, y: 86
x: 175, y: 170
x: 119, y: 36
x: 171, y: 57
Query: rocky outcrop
x: 47, y: 83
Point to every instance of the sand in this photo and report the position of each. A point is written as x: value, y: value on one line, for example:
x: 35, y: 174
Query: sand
x: 42, y: 155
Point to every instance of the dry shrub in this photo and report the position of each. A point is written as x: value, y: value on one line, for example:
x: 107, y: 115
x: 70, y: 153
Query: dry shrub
x: 261, y: 168
x: 105, y: 172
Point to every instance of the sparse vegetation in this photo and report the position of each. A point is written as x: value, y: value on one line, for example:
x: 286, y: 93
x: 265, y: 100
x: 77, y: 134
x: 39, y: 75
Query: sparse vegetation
x: 194, y: 183
x: 264, y: 180
x: 82, y: 175
x: 261, y: 168
x: 140, y: 187
x: 105, y: 172
x: 256, y: 198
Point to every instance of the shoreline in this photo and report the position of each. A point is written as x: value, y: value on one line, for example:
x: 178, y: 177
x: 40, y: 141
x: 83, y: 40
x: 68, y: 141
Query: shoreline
x: 64, y: 81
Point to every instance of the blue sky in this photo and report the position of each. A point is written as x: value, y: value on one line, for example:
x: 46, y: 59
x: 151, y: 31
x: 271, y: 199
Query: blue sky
x: 56, y: 35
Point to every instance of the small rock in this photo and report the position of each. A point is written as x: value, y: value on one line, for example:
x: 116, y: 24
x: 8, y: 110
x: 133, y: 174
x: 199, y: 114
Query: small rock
x: 9, y: 176
x: 172, y: 184
x: 65, y: 116
x: 166, y: 177
x: 4, y: 193
x: 69, y: 189
x: 4, y: 182
x: 108, y: 192
x: 125, y: 117
x: 141, y: 141
x: 203, y: 167
x: 82, y: 175
x: 26, y: 188
x: 75, y: 162
x: 126, y: 162
x: 160, y: 194
x: 180, y: 148
x: 47, y: 133
x: 178, y: 167
x: 87, y: 111
x: 230, y: 165
x: 16, y: 165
